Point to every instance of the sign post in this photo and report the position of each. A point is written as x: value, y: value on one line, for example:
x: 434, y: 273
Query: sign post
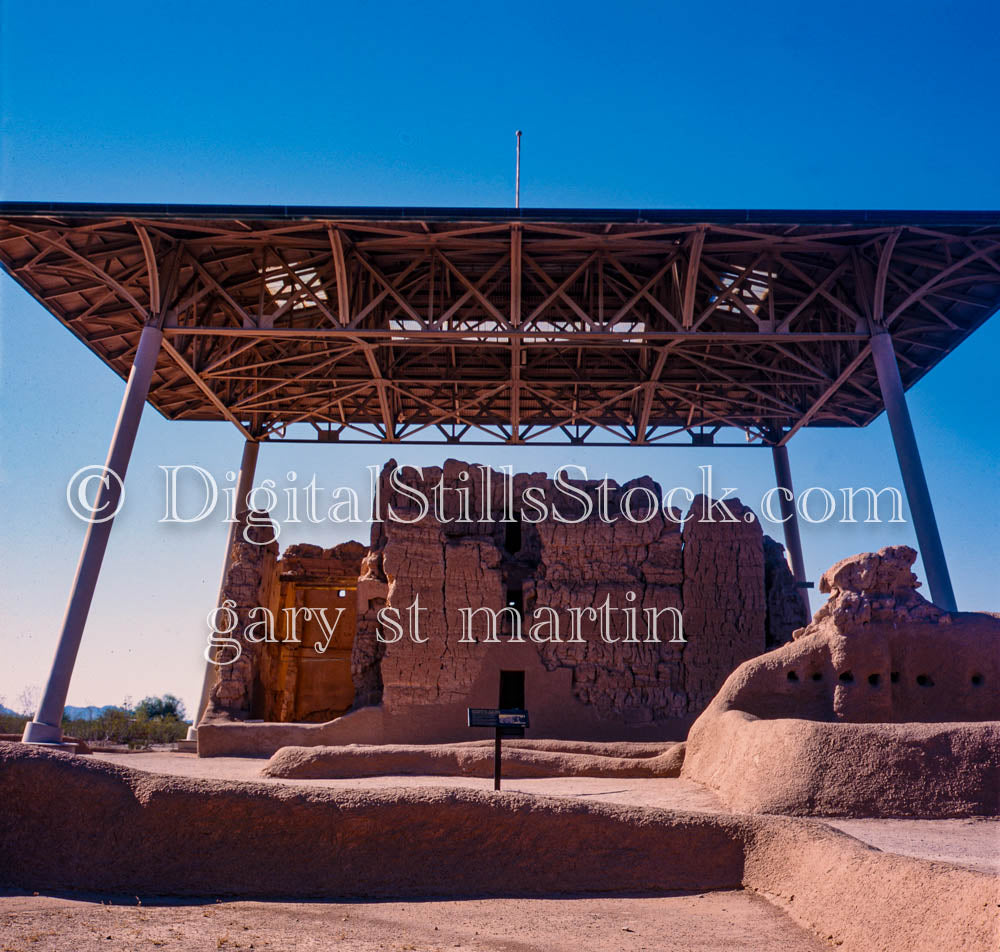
x: 498, y: 719
x: 497, y: 754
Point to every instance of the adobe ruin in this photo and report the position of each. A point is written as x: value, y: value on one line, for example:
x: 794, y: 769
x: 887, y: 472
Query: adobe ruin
x: 729, y: 582
x: 884, y: 705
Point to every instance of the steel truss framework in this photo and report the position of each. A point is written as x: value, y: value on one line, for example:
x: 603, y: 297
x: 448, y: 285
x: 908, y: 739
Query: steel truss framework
x: 500, y: 326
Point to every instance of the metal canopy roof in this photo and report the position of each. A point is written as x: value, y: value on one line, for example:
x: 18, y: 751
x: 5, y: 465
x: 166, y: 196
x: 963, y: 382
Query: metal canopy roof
x: 531, y: 326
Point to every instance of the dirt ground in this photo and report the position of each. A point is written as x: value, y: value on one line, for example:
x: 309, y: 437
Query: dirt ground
x: 703, y: 922
x: 973, y: 842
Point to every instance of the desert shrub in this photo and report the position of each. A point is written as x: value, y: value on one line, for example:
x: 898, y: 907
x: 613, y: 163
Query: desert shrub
x: 12, y: 723
x: 131, y: 726
x: 166, y: 706
x: 152, y: 721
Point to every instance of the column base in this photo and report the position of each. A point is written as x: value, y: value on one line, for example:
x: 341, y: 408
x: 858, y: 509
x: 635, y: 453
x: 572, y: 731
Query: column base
x: 65, y: 746
x: 35, y: 732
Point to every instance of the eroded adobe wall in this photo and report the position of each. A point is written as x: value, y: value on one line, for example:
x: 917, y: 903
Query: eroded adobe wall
x: 724, y: 598
x: 733, y: 604
x: 714, y: 574
x: 249, y: 581
x: 267, y: 681
x: 275, y: 840
x: 309, y: 679
x: 591, y: 562
x: 884, y: 705
x: 785, y: 605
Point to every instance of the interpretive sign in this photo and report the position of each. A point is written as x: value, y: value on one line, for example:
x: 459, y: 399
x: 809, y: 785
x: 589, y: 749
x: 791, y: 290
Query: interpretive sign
x: 499, y: 719
x: 496, y: 717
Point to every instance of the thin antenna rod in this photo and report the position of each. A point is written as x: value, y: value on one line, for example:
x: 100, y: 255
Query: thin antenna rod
x: 517, y: 173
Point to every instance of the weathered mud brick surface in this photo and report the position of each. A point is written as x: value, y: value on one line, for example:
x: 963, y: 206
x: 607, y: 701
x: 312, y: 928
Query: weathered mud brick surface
x: 652, y: 617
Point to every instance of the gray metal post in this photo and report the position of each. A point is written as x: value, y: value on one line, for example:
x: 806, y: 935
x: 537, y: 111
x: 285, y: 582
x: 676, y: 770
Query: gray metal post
x: 914, y: 481
x: 46, y: 727
x: 790, y: 519
x: 244, y: 483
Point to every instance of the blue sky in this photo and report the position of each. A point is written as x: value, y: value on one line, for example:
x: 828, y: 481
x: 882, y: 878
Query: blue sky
x: 656, y: 105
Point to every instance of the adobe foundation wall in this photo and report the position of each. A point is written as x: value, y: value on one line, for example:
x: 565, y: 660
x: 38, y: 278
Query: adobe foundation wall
x: 863, y: 900
x: 123, y: 831
x: 459, y: 760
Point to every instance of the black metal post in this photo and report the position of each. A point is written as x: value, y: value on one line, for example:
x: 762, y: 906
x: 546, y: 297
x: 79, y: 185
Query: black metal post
x: 496, y: 760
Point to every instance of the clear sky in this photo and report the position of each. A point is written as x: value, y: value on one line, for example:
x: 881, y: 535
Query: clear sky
x: 770, y: 105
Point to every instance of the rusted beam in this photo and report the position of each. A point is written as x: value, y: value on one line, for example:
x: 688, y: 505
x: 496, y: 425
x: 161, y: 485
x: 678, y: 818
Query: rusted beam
x: 691, y: 279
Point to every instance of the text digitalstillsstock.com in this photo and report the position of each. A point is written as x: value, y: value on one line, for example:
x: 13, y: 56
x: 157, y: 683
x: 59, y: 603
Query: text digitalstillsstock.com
x: 192, y: 494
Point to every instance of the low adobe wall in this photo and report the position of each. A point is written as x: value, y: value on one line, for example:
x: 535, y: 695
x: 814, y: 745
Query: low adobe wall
x: 459, y: 760
x: 72, y: 824
x: 863, y: 900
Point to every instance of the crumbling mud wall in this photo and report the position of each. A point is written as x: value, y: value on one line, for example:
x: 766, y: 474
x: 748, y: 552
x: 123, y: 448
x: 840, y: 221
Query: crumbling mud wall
x: 249, y: 581
x: 786, y: 606
x: 308, y: 679
x: 884, y: 705
x: 724, y: 597
x: 715, y: 592
x: 627, y: 565
x: 275, y: 678
x: 713, y: 574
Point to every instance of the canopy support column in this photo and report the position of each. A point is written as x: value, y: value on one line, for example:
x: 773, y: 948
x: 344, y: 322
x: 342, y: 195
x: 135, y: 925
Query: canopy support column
x: 46, y: 727
x: 790, y: 520
x: 244, y: 483
x: 915, y: 483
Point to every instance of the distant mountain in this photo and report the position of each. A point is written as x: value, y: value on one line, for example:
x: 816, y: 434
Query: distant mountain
x: 7, y: 710
x: 90, y: 713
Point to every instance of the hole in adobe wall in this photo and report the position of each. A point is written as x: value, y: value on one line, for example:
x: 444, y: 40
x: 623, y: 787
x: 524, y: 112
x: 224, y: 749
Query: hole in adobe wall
x: 977, y: 680
x: 894, y: 677
x: 792, y: 676
x: 817, y: 675
x: 925, y: 681
x: 873, y: 680
x: 847, y: 677
x: 512, y: 541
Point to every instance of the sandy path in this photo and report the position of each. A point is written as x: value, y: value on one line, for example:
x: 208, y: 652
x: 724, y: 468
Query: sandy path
x: 972, y: 842
x: 707, y: 922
